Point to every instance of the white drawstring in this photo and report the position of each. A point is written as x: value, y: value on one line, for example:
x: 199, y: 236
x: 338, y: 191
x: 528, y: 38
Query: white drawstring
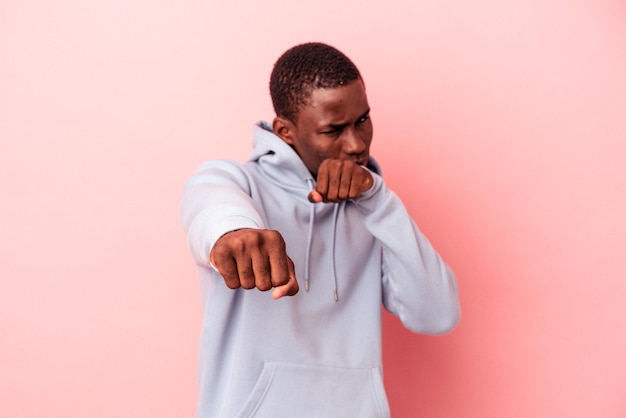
x: 307, y: 258
x: 335, y: 213
x: 307, y: 270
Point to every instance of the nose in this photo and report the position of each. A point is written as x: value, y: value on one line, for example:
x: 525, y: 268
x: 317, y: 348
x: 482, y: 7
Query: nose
x: 353, y: 144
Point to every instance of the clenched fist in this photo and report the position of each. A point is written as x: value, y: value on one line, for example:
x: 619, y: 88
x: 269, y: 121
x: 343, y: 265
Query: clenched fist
x: 250, y: 258
x: 339, y: 180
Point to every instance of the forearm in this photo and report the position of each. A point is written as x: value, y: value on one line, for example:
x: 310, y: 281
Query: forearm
x: 216, y: 200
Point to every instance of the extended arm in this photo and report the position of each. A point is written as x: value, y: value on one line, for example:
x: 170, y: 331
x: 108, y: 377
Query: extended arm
x: 225, y: 230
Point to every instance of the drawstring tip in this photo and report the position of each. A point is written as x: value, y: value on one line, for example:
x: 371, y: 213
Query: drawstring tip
x: 336, y: 295
x: 306, y: 284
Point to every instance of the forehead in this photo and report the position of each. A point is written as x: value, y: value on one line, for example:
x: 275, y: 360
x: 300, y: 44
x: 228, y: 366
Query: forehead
x: 335, y: 104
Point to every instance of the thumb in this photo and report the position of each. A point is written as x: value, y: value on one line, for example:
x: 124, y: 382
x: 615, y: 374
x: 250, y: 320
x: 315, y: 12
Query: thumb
x: 315, y: 197
x: 289, y: 289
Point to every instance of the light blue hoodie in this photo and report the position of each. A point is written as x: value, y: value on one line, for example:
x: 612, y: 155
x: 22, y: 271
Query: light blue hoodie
x: 318, y: 353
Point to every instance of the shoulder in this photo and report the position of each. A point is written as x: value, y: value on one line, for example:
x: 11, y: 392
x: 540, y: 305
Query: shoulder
x: 216, y: 171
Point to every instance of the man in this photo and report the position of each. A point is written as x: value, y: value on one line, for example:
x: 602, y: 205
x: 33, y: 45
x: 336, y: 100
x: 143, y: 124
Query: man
x: 308, y: 208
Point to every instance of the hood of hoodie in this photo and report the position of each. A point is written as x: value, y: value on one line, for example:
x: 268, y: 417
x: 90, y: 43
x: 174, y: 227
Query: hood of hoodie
x: 279, y: 161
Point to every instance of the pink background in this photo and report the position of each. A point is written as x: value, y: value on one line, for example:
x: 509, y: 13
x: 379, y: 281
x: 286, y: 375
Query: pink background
x: 501, y: 123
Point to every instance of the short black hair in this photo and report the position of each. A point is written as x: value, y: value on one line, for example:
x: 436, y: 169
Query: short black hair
x: 304, y: 68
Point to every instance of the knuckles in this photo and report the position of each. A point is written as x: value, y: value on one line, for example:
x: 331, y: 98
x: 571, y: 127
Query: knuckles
x: 264, y: 286
x: 232, y: 281
x: 244, y: 259
x: 341, y: 180
x: 244, y: 241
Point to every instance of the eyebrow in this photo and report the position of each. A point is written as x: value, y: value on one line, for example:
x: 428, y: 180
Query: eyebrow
x: 339, y: 126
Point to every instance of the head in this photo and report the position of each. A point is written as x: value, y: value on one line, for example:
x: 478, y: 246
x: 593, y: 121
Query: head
x: 321, y: 106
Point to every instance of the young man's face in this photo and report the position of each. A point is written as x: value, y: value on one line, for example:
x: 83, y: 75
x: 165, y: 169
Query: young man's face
x: 334, y: 124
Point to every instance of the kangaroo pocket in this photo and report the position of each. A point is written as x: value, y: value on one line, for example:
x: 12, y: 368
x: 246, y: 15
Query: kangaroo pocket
x: 289, y: 390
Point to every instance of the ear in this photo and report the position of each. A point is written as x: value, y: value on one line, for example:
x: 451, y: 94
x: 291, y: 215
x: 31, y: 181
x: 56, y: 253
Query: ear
x: 284, y: 128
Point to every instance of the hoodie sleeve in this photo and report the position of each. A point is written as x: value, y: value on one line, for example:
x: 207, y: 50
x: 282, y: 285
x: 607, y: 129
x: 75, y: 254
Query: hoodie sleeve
x: 418, y: 286
x: 216, y: 200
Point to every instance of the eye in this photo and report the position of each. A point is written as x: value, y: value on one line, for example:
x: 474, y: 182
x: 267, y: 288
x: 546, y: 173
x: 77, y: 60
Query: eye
x: 363, y: 119
x: 331, y: 132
